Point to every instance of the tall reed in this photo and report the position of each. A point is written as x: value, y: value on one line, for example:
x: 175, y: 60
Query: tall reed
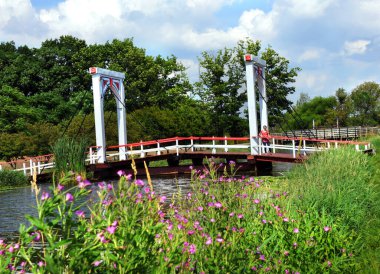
x: 69, y: 156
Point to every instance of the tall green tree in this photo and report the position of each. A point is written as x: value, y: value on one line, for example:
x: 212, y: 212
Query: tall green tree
x: 222, y: 84
x: 365, y: 100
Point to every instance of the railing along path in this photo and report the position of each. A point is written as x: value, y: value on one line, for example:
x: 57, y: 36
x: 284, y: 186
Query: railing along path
x: 279, y: 144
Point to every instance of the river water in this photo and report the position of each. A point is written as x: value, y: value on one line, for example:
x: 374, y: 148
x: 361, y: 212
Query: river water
x: 16, y: 203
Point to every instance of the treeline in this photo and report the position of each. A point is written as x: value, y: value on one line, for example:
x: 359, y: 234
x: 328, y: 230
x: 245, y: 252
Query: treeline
x: 45, y: 93
x: 360, y: 107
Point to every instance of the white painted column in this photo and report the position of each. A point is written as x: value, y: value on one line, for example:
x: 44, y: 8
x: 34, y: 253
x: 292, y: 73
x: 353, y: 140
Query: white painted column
x: 263, y: 99
x: 251, y: 95
x: 121, y: 123
x: 99, y: 118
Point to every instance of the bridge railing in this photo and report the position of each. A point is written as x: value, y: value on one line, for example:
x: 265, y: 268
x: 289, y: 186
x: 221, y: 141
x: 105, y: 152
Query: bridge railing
x: 279, y: 144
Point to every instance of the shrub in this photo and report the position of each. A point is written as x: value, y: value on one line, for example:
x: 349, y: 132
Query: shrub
x: 9, y: 178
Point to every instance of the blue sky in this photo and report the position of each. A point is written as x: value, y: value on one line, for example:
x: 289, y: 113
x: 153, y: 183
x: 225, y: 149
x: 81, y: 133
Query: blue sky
x: 336, y: 43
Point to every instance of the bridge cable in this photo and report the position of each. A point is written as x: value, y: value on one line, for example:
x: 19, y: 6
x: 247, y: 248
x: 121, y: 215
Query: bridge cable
x: 297, y: 119
x: 75, y: 113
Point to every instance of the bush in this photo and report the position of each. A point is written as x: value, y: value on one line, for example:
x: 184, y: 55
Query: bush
x: 9, y: 178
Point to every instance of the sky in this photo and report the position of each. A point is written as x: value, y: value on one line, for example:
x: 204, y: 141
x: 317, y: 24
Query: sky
x: 336, y: 43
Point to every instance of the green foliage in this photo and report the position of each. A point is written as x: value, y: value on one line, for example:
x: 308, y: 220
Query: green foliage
x: 224, y: 224
x: 9, y: 178
x: 69, y: 156
x: 365, y: 100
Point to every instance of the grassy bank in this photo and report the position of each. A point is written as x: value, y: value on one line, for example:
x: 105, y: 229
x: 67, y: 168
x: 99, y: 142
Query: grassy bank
x: 321, y: 219
x: 10, y: 179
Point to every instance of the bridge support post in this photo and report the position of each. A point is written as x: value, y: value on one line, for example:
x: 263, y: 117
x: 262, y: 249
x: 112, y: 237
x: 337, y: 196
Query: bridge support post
x: 255, y: 71
x: 103, y: 79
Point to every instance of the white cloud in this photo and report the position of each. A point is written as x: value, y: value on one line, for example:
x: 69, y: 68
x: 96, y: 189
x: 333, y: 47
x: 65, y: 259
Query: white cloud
x: 310, y: 54
x: 304, y: 8
x: 356, y: 47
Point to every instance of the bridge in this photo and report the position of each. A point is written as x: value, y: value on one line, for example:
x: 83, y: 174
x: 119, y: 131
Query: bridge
x: 176, y: 149
x: 246, y: 151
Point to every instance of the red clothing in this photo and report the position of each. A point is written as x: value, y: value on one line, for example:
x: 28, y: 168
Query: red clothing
x: 265, y: 135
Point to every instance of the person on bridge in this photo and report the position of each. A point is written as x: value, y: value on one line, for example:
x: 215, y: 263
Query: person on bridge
x: 265, y: 135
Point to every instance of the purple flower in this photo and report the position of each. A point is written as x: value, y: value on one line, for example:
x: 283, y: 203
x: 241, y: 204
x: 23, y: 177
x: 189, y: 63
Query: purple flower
x: 212, y: 220
x: 109, y: 187
x: 79, y: 178
x: 41, y: 264
x: 45, y: 196
x: 111, y: 229
x: 162, y: 199
x: 170, y: 236
x: 84, y: 183
x: 60, y: 187
x: 218, y: 204
x: 146, y: 190
x: 286, y: 253
x: 240, y: 216
x: 69, y: 197
x: 329, y: 264
x: 190, y: 232
x: 102, y: 185
x: 200, y: 208
x: 139, y: 182
x: 264, y: 221
x: 256, y: 201
x: 327, y: 228
x: 192, y: 249
x: 296, y: 230
x: 285, y: 220
x: 219, y: 240
x: 232, y: 214
x: 80, y: 213
x: 121, y: 173
x: 37, y: 236
x: 209, y: 241
x: 262, y: 258
x: 97, y: 263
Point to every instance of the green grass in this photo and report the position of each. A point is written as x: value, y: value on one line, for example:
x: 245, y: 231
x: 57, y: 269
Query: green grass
x: 344, y: 184
x: 10, y: 179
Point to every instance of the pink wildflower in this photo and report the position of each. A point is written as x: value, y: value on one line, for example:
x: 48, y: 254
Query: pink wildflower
x: 80, y: 213
x: 256, y: 201
x: 327, y: 228
x: 139, y: 182
x: 192, y: 249
x: 69, y: 197
x: 45, y: 196
x: 296, y: 230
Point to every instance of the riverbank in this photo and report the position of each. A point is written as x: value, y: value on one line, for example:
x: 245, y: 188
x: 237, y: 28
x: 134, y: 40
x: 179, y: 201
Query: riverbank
x: 222, y: 223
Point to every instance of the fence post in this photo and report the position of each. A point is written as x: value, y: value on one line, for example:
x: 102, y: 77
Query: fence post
x: 192, y: 144
x: 31, y: 167
x: 225, y: 144
x: 158, y: 149
x: 177, y: 148
x: 213, y: 145
x: 294, y: 148
x: 39, y: 167
x: 142, y: 153
x: 304, y: 147
x: 336, y: 144
x: 357, y: 147
x: 1, y: 167
x: 24, y: 168
x: 274, y: 145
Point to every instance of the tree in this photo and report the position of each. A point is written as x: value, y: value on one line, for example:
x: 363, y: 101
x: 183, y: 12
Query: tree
x: 365, y: 100
x: 222, y: 84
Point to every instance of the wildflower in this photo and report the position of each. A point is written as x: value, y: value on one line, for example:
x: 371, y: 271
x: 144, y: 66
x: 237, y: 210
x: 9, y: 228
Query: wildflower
x: 327, y: 229
x: 262, y: 258
x: 296, y: 230
x: 146, y: 190
x: 102, y: 185
x: 45, y: 196
x: 84, y: 184
x: 264, y: 221
x: 261, y: 213
x: 212, y: 220
x: 256, y: 201
x: 128, y: 177
x: 218, y: 204
x: 69, y: 197
x: 192, y: 249
x: 170, y: 236
x: 109, y: 187
x: 111, y: 229
x: 79, y: 178
x: 60, y: 187
x: 37, y: 236
x: 209, y: 241
x: 219, y: 240
x: 240, y: 216
x: 329, y: 264
x: 285, y: 220
x: 190, y: 232
x: 41, y: 264
x: 139, y: 182
x: 286, y: 253
x: 97, y: 263
x: 295, y: 245
x: 210, y: 204
x: 101, y: 237
x: 121, y: 173
x: 80, y: 213
x: 11, y: 249
x: 200, y: 208
x: 232, y: 214
x: 162, y: 199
